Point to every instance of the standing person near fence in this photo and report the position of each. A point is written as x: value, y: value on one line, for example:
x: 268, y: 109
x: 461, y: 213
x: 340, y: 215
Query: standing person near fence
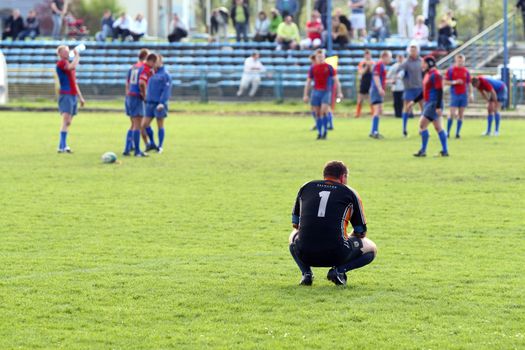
x: 358, y: 17
x: 413, y: 82
x: 364, y: 69
x: 251, y: 75
x: 377, y: 91
x: 241, y: 19
x: 58, y: 10
x: 396, y: 80
x: 458, y: 77
x: 404, y: 10
x: 69, y: 93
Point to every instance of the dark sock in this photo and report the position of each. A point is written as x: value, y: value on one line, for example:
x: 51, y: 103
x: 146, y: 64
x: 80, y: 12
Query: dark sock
x: 304, y: 268
x: 363, y: 260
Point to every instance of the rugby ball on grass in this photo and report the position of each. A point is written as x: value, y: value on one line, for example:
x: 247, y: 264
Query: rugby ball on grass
x: 109, y: 157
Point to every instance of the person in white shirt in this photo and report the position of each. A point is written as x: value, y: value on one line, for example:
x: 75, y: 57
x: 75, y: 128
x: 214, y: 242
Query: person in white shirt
x: 121, y: 27
x: 262, y: 24
x: 404, y: 10
x: 396, y: 79
x: 420, y: 31
x: 253, y: 68
x: 178, y: 29
x: 138, y: 27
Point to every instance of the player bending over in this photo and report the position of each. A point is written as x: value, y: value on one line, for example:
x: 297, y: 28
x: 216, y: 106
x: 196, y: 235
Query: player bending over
x: 495, y: 93
x: 69, y: 90
x: 320, y: 73
x: 412, y: 81
x: 458, y: 77
x: 157, y: 96
x: 377, y: 91
x: 147, y: 72
x: 433, y: 107
x: 134, y: 105
x: 323, y: 209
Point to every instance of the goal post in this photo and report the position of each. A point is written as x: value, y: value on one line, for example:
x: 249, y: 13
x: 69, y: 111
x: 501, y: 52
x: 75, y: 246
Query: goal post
x: 3, y: 80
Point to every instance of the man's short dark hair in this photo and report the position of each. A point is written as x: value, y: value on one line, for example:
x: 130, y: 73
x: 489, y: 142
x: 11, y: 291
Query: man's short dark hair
x: 143, y: 53
x: 335, y: 169
x: 152, y: 57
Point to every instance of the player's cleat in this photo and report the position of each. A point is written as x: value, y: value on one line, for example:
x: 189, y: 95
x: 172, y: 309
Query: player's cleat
x: 126, y: 154
x: 405, y: 134
x: 60, y: 150
x: 159, y: 150
x: 324, y: 135
x: 442, y: 154
x: 376, y: 136
x: 337, y: 278
x: 420, y: 153
x: 319, y: 136
x: 313, y: 128
x: 485, y: 134
x: 68, y: 150
x: 307, y: 279
x: 150, y: 147
x: 141, y: 155
x: 496, y: 133
x: 458, y: 137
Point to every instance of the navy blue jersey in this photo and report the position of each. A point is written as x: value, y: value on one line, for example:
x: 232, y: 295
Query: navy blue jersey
x: 159, y: 87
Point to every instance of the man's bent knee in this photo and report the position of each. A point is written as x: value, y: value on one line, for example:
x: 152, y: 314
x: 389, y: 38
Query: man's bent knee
x: 369, y: 246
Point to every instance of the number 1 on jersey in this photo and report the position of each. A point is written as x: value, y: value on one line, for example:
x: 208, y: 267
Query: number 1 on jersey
x: 322, y: 204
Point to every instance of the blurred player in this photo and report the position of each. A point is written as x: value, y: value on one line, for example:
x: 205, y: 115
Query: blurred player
x: 69, y: 91
x: 312, y: 62
x: 323, y: 209
x: 157, y: 96
x: 412, y: 82
x: 495, y: 93
x: 377, y: 91
x: 145, y: 75
x: 320, y: 73
x: 458, y: 77
x: 134, y: 104
x: 433, y: 107
x: 364, y: 69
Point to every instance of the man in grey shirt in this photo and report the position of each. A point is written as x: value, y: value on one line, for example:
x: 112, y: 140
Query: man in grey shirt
x: 413, y: 82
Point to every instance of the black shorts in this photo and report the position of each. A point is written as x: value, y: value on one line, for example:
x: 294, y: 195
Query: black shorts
x: 350, y: 250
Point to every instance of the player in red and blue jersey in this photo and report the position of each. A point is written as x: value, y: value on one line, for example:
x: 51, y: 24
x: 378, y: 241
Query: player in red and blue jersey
x: 495, y: 93
x: 69, y: 91
x: 433, y: 107
x: 145, y: 75
x: 458, y: 77
x: 320, y: 73
x: 134, y: 104
x: 377, y: 91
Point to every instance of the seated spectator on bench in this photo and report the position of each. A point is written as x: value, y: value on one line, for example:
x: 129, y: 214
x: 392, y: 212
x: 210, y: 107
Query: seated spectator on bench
x: 138, y: 27
x: 379, y: 26
x: 32, y: 27
x: 262, y: 26
x: 121, y: 27
x: 343, y: 19
x: 288, y: 34
x: 251, y: 75
x: 314, y: 31
x: 340, y: 35
x: 106, y: 27
x: 420, y: 31
x: 219, y: 24
x: 445, y: 35
x: 275, y: 20
x: 178, y: 30
x: 14, y: 25
x: 287, y: 7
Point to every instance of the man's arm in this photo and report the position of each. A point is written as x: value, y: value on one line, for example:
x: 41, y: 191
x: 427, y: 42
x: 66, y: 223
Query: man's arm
x: 338, y: 87
x: 166, y: 92
x: 379, y: 86
x: 54, y: 8
x: 307, y: 89
x: 80, y: 97
x: 358, y: 219
x: 296, y: 212
x: 142, y: 86
x: 73, y: 64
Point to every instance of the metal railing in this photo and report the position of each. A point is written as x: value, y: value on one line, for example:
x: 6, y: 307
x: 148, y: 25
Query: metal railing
x: 484, y: 47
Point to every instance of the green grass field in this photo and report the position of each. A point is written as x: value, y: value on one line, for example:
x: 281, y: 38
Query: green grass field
x: 188, y: 249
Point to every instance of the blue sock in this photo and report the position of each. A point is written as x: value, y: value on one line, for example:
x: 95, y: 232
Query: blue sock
x: 443, y: 139
x: 149, y: 132
x: 325, y: 123
x: 319, y: 125
x: 375, y: 124
x: 424, y: 140
x: 458, y: 126
x: 161, y: 136
x: 361, y: 261
x: 136, y: 141
x: 129, y: 141
x: 313, y: 115
x: 304, y: 268
x: 497, y: 118
x: 449, y: 125
x: 405, y: 121
x: 489, y: 123
x: 330, y: 120
x: 63, y: 138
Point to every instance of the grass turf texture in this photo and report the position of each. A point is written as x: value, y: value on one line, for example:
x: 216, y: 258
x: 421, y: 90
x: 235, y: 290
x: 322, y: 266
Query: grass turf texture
x: 188, y: 249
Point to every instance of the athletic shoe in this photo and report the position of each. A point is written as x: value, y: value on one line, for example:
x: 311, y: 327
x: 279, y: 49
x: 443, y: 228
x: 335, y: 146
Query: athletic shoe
x: 159, y: 150
x: 458, y: 137
x: 141, y: 155
x: 68, y: 150
x: 324, y: 135
x: 376, y: 136
x: 336, y: 277
x: 496, y: 133
x: 420, y: 153
x: 126, y: 154
x: 319, y: 136
x: 313, y: 128
x: 485, y: 134
x: 405, y: 134
x: 150, y: 147
x: 307, y: 279
x: 442, y: 154
x: 60, y: 150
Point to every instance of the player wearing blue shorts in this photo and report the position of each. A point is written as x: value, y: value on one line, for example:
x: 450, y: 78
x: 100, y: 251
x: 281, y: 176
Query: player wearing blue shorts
x: 147, y: 73
x: 433, y: 107
x: 69, y: 91
x: 377, y: 91
x: 135, y: 105
x: 320, y: 73
x: 495, y: 93
x: 157, y: 96
x: 458, y: 77
x: 412, y: 82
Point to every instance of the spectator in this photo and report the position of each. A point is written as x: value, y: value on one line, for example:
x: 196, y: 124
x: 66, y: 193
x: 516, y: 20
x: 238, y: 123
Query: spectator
x: 241, y: 19
x: 339, y: 32
x: 357, y: 17
x: 322, y: 7
x: 14, y: 25
x: 287, y: 7
x: 429, y: 14
x: 343, y: 19
x: 445, y: 37
x: 58, y: 10
x: 521, y: 6
x: 379, y: 25
x: 106, y: 27
x: 253, y: 68
x: 219, y: 24
x: 275, y: 20
x: 452, y: 22
x: 121, y: 27
x: 404, y: 10
x: 287, y: 34
x: 138, y: 27
x: 32, y: 27
x: 396, y: 79
x: 262, y: 26
x: 177, y: 30
x: 420, y: 31
x: 364, y: 70
x: 314, y: 30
